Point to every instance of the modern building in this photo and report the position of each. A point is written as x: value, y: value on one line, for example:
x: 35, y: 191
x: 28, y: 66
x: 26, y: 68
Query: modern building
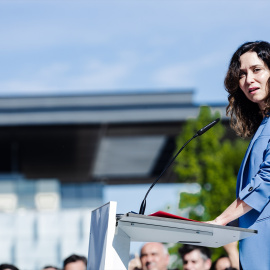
x: 113, y: 138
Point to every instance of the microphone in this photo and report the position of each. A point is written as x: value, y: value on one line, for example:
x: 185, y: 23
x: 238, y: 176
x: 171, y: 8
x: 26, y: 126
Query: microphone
x: 207, y: 127
x: 198, y: 133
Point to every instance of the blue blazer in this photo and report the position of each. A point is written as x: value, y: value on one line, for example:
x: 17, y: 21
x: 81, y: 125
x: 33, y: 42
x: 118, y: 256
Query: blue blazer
x: 253, y: 187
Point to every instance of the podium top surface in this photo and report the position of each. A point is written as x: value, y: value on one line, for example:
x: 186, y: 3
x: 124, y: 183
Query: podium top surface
x: 151, y: 219
x: 159, y: 229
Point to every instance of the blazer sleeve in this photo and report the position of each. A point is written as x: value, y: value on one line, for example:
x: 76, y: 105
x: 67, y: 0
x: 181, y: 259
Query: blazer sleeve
x: 257, y: 193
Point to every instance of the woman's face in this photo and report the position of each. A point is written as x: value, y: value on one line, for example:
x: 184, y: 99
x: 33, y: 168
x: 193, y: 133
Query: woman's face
x: 253, y: 78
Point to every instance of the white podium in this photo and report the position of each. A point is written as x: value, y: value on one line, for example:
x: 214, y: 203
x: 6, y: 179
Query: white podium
x: 111, y: 234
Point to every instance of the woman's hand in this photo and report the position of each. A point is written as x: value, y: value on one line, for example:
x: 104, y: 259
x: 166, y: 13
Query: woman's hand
x: 216, y: 221
x: 233, y: 212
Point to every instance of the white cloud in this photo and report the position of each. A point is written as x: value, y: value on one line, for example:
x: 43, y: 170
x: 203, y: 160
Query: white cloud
x: 21, y: 86
x: 100, y: 76
x: 185, y: 74
x: 53, y: 71
x: 58, y: 77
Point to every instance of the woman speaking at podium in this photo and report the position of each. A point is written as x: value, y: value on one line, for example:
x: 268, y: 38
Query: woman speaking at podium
x: 248, y: 84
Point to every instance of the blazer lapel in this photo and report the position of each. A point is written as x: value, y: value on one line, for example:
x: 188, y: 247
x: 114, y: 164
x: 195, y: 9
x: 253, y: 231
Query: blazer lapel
x: 242, y: 168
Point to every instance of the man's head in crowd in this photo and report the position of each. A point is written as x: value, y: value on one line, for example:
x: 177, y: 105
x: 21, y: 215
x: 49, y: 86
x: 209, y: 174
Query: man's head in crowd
x: 154, y: 256
x: 50, y: 267
x: 195, y: 257
x: 222, y: 263
x: 6, y: 266
x: 75, y: 262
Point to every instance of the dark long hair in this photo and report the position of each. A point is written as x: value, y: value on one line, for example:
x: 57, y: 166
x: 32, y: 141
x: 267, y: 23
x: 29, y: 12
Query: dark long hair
x: 245, y: 114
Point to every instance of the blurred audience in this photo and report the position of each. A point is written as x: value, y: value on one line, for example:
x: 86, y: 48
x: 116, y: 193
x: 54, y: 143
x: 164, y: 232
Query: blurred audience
x: 135, y: 264
x: 50, y: 267
x: 229, y: 262
x: 6, y: 266
x: 153, y: 256
x: 222, y: 263
x: 75, y: 262
x: 195, y: 257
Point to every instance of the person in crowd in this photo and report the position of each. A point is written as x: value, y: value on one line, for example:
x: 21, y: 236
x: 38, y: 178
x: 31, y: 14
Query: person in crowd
x: 154, y: 256
x: 247, y: 82
x: 223, y: 263
x: 50, y: 267
x: 135, y: 263
x: 6, y: 266
x: 195, y: 257
x: 75, y: 262
x: 229, y: 261
x: 233, y: 254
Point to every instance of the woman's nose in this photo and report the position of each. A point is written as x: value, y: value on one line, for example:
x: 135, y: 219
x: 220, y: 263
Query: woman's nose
x: 250, y: 77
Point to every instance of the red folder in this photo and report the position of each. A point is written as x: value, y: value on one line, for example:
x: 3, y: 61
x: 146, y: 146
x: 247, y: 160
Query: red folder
x: 168, y: 215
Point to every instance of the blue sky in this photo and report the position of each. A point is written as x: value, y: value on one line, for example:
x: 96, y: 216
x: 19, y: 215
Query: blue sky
x: 59, y: 47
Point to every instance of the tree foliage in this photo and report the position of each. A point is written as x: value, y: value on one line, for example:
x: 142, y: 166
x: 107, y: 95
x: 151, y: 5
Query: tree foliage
x: 211, y: 160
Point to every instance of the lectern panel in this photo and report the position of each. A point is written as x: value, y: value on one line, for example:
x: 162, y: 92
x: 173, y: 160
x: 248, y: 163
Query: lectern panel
x: 156, y: 229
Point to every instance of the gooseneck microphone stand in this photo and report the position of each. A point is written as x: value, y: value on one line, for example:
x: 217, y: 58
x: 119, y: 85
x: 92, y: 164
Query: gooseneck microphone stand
x: 199, y: 133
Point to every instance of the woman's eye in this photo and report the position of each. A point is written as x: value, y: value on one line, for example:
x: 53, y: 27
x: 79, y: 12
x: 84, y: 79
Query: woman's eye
x: 257, y: 69
x: 241, y: 75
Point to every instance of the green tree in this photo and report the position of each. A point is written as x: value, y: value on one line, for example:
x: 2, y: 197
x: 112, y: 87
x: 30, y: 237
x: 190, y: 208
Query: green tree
x: 212, y: 161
